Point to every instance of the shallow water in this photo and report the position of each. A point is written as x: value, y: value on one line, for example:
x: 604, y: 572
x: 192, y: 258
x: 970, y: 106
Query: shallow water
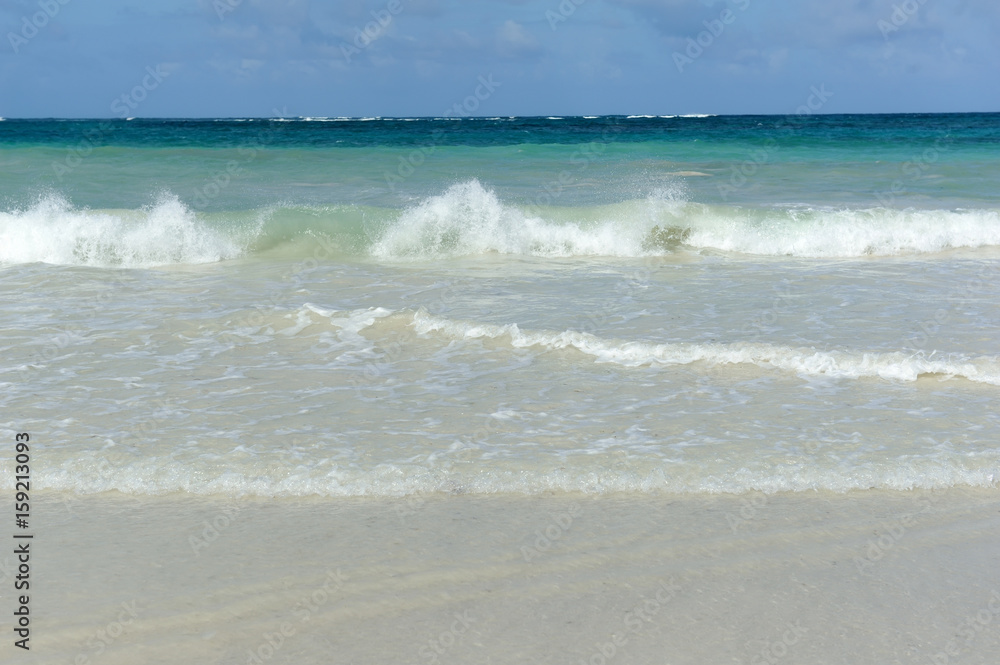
x: 532, y: 305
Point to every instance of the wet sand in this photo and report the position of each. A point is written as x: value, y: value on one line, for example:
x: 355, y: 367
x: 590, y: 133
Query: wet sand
x: 867, y: 577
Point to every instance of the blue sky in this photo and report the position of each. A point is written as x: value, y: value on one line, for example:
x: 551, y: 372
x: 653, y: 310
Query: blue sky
x: 215, y: 58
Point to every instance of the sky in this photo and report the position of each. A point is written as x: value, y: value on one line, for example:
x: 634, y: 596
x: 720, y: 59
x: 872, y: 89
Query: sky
x: 358, y: 58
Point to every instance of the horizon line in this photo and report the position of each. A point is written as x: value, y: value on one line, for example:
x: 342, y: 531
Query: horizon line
x: 553, y: 116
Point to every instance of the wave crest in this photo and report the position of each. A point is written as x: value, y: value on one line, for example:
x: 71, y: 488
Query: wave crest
x: 469, y: 219
x: 52, y: 231
x: 894, y: 366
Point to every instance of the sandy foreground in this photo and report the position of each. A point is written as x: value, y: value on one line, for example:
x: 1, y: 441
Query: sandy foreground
x: 869, y: 577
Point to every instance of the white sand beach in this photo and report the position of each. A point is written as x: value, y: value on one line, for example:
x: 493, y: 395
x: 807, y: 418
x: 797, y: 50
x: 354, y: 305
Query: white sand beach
x: 866, y: 577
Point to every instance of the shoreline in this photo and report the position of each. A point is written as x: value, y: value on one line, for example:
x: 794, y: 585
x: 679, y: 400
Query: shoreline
x: 873, y: 576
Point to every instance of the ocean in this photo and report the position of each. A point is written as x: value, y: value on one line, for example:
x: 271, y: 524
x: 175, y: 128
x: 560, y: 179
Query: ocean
x: 394, y: 307
x: 582, y: 390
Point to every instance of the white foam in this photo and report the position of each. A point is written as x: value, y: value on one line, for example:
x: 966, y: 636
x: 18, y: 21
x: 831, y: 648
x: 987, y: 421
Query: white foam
x: 896, y: 366
x: 845, y: 233
x: 162, y: 475
x: 468, y: 219
x: 352, y: 458
x: 353, y: 321
x: 52, y: 231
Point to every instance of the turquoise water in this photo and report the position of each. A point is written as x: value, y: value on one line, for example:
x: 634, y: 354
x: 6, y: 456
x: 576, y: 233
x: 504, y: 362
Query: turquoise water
x: 824, y: 160
x: 613, y: 304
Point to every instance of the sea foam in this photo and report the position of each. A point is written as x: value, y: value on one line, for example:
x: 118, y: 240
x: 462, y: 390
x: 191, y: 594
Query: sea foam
x: 470, y: 219
x: 53, y: 231
x: 895, y: 366
x: 841, y: 364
